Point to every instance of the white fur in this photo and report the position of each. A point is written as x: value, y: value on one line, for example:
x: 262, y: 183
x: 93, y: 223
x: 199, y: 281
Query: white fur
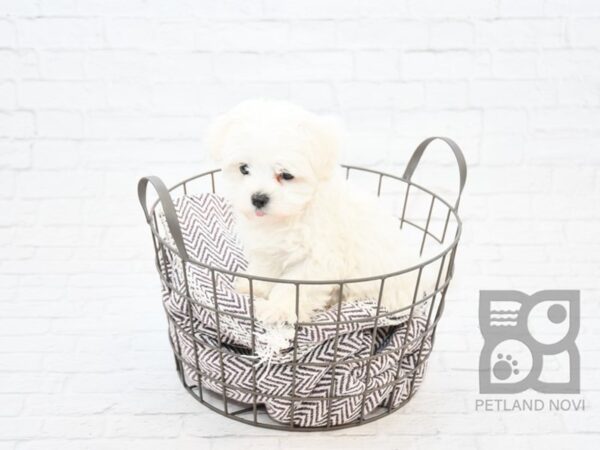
x: 315, y: 227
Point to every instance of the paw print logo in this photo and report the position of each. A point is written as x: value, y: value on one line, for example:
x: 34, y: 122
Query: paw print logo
x: 510, y: 363
x: 505, y: 367
x: 522, y: 335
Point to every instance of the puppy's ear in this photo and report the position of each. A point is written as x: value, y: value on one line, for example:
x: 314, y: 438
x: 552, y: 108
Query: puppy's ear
x: 326, y: 135
x: 216, y: 135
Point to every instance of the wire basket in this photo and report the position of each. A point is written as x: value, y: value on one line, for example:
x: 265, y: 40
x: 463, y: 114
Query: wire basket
x: 341, y: 369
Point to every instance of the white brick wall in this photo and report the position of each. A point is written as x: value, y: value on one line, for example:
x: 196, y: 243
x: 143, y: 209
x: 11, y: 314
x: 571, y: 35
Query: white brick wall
x: 96, y: 93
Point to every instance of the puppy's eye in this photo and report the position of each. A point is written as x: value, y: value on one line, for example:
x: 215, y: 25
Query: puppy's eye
x: 287, y: 176
x: 244, y: 169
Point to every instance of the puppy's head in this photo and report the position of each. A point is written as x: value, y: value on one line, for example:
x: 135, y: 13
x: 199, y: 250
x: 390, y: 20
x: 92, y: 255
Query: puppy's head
x: 273, y: 155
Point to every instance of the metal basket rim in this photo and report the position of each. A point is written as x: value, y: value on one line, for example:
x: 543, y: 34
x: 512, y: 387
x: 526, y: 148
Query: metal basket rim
x: 421, y: 265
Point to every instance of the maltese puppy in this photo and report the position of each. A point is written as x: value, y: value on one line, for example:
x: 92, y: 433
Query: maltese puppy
x: 298, y: 219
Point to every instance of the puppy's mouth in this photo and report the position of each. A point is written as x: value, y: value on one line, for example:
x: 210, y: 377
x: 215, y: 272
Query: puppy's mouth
x: 259, y: 213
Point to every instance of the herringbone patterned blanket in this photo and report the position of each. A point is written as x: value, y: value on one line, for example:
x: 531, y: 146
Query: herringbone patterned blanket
x: 254, y: 362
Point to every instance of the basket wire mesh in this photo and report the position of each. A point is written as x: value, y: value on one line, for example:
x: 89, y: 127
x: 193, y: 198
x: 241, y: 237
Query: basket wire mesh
x: 446, y: 239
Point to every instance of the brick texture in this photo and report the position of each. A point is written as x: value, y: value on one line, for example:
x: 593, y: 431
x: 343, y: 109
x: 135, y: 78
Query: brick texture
x: 95, y: 94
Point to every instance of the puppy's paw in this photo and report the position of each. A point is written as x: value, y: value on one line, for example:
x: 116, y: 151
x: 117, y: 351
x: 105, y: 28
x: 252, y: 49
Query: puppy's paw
x: 280, y: 306
x: 272, y: 312
x: 241, y: 285
x: 259, y: 288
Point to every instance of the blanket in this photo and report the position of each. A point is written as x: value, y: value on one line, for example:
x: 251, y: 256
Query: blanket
x: 232, y: 355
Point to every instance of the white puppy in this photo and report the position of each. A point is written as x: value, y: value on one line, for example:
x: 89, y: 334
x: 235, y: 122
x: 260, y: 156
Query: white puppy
x: 297, y: 217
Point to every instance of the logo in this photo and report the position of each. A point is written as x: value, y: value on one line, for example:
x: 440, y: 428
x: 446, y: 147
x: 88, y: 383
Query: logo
x: 529, y: 342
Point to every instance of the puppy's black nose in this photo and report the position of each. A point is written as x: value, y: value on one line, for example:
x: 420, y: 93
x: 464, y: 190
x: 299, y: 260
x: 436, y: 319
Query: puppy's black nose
x: 259, y: 200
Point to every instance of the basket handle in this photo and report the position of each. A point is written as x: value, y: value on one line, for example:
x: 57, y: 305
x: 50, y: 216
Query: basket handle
x: 168, y: 210
x: 460, y: 159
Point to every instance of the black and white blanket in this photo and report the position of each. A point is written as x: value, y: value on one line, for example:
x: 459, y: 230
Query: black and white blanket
x: 207, y: 227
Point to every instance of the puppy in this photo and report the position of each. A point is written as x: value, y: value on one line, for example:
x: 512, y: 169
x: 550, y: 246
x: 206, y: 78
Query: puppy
x: 298, y: 219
